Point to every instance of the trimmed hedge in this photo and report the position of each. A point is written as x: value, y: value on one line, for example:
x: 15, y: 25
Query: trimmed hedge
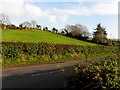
x: 44, y: 52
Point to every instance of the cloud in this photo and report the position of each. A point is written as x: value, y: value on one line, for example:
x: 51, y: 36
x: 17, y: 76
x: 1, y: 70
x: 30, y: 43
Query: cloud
x: 21, y: 9
x: 71, y: 0
x: 103, y: 8
x: 64, y: 18
x: 108, y: 8
x: 32, y: 11
x: 12, y: 8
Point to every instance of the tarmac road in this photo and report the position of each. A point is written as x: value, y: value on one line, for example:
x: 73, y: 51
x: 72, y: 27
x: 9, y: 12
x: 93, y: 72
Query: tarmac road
x: 48, y: 79
x: 39, y: 76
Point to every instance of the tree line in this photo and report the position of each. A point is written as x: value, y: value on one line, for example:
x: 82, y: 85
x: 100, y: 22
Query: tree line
x: 77, y: 31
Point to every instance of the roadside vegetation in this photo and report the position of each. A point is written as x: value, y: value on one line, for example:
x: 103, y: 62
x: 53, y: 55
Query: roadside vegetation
x: 103, y: 75
x: 22, y: 53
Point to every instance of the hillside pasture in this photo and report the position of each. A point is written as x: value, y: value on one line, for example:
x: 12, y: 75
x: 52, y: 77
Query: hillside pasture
x: 39, y: 36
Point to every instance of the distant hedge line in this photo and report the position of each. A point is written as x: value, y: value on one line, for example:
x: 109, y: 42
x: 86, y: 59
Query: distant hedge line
x: 25, y: 52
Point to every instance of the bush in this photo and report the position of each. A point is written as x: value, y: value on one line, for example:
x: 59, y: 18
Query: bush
x: 101, y: 75
x: 44, y: 52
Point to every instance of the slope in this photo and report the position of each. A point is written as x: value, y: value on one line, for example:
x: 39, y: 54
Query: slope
x: 39, y: 36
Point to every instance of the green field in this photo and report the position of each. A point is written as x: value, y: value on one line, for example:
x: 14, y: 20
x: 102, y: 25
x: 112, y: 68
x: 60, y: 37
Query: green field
x: 39, y: 36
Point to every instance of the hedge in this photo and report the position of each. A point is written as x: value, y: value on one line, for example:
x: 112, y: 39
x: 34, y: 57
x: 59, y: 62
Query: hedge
x: 45, y: 52
x: 103, y: 75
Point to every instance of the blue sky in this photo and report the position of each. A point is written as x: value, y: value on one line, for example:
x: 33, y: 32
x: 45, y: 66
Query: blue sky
x: 59, y: 14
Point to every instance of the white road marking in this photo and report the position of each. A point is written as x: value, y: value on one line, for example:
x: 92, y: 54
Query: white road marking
x: 34, y: 75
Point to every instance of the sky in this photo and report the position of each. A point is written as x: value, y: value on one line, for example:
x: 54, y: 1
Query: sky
x: 58, y: 13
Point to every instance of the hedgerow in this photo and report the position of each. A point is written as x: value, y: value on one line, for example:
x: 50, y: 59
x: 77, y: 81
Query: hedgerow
x: 103, y: 75
x: 23, y: 52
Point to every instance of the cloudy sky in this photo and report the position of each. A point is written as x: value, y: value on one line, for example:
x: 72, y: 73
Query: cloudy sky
x: 58, y: 13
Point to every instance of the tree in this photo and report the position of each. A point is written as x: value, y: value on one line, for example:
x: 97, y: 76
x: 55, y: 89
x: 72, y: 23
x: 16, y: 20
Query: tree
x: 54, y: 30
x: 109, y: 42
x: 100, y: 35
x: 34, y: 23
x: 12, y: 26
x: 45, y: 28
x: 84, y: 31
x: 26, y: 24
x: 21, y: 26
x: 4, y: 19
x: 62, y: 32
x: 2, y: 26
x: 74, y: 30
x: 38, y: 27
x: 66, y: 31
x: 77, y: 31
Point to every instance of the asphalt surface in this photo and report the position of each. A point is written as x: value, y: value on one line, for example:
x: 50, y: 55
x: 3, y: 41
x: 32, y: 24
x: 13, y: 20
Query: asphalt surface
x: 48, y: 79
x: 39, y: 76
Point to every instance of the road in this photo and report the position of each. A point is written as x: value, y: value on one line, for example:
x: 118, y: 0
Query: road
x: 48, y: 79
x: 38, y: 76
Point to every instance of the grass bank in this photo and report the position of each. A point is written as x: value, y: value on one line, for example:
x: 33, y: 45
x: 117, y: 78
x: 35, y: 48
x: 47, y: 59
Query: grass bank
x: 39, y: 36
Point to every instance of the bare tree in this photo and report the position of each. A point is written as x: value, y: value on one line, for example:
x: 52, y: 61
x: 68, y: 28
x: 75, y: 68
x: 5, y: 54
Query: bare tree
x: 83, y: 30
x: 26, y: 24
x: 34, y: 23
x: 77, y: 31
x: 4, y: 19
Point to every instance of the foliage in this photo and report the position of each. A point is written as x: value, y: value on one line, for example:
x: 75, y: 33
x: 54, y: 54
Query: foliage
x: 45, y: 28
x: 2, y: 26
x: 101, y: 75
x: 77, y: 31
x: 12, y: 26
x: 26, y: 24
x: 43, y: 52
x: 62, y: 32
x: 54, y: 30
x: 100, y: 35
x: 4, y: 19
x: 109, y: 42
x: 21, y: 26
x: 38, y: 27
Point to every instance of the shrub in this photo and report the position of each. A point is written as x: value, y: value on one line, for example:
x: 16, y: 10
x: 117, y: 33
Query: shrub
x: 101, y: 75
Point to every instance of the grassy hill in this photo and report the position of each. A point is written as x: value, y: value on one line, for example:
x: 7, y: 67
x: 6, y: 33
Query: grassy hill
x: 39, y: 36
